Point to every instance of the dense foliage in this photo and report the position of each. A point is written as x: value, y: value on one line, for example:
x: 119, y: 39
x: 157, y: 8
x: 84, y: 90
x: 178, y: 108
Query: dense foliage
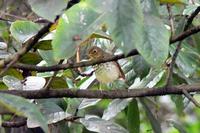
x: 150, y: 27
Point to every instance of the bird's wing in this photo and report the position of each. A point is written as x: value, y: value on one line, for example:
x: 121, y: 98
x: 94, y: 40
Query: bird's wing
x: 121, y: 73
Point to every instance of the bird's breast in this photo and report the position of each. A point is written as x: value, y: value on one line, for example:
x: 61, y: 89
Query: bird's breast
x: 106, y: 72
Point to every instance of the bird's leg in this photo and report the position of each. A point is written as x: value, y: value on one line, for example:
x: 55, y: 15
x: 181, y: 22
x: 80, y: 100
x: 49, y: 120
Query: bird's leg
x: 100, y: 87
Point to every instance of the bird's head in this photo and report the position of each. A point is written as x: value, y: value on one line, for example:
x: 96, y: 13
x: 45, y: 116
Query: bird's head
x: 95, y: 53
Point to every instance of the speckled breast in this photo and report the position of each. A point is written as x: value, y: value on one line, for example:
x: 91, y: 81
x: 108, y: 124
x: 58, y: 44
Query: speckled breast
x: 106, y: 72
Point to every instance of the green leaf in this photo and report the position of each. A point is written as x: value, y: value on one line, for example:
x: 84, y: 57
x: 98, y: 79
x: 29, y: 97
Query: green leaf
x: 88, y: 102
x: 29, y: 83
x: 140, y: 66
x: 47, y: 55
x: 48, y: 9
x: 14, y: 72
x: 23, y: 107
x: 115, y: 107
x: 128, y: 70
x: 51, y: 111
x: 156, y: 41
x: 172, y: 1
x: 187, y: 60
x: 133, y: 117
x: 58, y: 82
x: 5, y: 35
x: 30, y: 58
x: 95, y: 124
x: 178, y: 101
x: 126, y: 24
x: 190, y: 9
x: 23, y: 30
x: 68, y: 73
x: 87, y: 83
x: 44, y: 45
x: 196, y: 41
x: 150, y: 7
x: 154, y: 122
x: 156, y: 37
x: 150, y: 80
x: 12, y: 82
x: 75, y: 24
x: 177, y: 125
x: 3, y: 26
x: 75, y: 128
x: 61, y: 127
x: 72, y: 105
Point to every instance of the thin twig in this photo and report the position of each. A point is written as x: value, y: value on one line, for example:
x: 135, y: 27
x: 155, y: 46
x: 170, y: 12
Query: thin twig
x: 192, y: 2
x: 14, y: 124
x: 170, y: 72
x: 185, y: 34
x: 72, y: 118
x: 20, y: 123
x: 191, y: 17
x: 191, y: 98
x: 46, y: 87
x: 8, y: 62
x: 78, y: 58
x: 6, y: 20
x: 171, y: 19
x: 13, y: 16
x: 178, y: 47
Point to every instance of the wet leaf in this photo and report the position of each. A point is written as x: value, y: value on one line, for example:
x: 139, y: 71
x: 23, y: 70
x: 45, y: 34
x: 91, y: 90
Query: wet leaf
x: 23, y: 107
x: 23, y: 30
x: 48, y: 9
x: 95, y: 124
x: 115, y: 107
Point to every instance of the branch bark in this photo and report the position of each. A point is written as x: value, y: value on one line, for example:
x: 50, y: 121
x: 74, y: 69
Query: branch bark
x: 8, y: 62
x: 20, y: 123
x: 74, y: 65
x: 103, y: 94
x: 178, y: 47
x: 174, y: 39
x: 185, y: 34
x: 14, y: 124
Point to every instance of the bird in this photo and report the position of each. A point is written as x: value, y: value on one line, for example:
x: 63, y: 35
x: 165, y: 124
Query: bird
x: 105, y: 72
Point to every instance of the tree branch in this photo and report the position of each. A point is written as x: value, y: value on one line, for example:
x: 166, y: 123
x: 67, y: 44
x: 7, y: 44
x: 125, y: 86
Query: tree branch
x: 14, y: 124
x: 171, y: 19
x: 20, y: 123
x: 191, y: 98
x: 74, y: 65
x: 103, y: 94
x: 174, y: 39
x: 178, y: 47
x: 191, y: 17
x: 46, y: 87
x: 185, y: 34
x: 8, y: 62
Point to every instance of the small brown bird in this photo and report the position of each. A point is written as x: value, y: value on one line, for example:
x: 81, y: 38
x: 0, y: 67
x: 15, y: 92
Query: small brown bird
x: 105, y: 72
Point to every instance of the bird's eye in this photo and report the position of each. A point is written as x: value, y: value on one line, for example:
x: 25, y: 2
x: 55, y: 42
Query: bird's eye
x: 94, y: 51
